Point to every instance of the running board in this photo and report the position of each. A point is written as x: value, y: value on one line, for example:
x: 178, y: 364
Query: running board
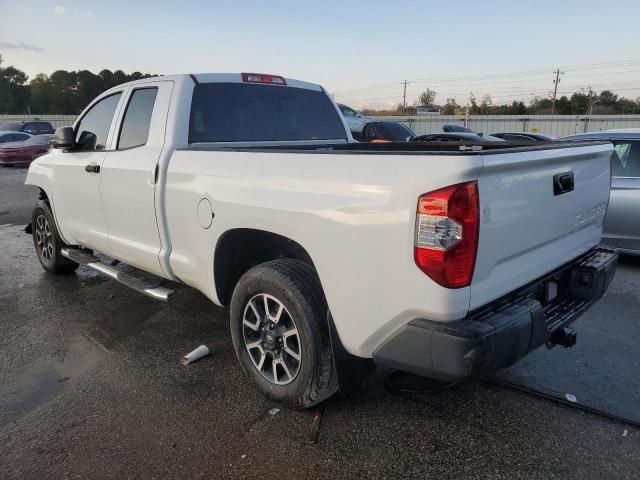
x: 144, y: 286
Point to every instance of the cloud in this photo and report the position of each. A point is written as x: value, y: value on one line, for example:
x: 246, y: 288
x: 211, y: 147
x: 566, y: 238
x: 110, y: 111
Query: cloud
x: 78, y: 13
x: 59, y: 10
x: 21, y: 46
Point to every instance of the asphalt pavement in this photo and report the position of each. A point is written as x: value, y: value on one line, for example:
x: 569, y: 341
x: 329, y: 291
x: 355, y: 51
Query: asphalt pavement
x: 91, y: 386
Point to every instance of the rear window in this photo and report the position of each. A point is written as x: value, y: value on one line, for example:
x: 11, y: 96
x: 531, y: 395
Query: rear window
x: 239, y: 112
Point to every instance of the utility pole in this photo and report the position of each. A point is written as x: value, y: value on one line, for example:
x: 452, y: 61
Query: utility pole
x: 555, y: 88
x: 404, y: 97
x: 592, y: 100
x: 466, y: 111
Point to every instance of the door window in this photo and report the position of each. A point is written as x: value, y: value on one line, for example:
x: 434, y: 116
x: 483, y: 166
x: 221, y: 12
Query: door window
x: 92, y: 130
x: 137, y: 118
x: 627, y: 161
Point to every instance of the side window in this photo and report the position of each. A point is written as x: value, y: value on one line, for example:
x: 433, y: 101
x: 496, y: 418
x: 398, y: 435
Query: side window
x: 349, y: 113
x: 92, y: 131
x: 134, y: 131
x: 627, y: 164
x: 20, y: 136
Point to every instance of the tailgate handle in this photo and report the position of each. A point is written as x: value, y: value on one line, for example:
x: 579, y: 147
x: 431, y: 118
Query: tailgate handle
x: 563, y: 183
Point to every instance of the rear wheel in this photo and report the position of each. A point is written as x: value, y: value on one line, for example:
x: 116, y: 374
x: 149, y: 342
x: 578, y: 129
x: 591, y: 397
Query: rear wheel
x: 280, y: 333
x: 47, y: 241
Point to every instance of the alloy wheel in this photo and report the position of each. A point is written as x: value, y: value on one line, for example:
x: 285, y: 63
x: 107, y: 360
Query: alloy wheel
x: 271, y: 339
x: 44, y: 239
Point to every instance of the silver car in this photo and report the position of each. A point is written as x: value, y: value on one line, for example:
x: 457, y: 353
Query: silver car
x: 622, y: 224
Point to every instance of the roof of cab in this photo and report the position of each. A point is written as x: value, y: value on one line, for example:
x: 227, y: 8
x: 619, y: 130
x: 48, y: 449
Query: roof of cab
x: 214, y: 78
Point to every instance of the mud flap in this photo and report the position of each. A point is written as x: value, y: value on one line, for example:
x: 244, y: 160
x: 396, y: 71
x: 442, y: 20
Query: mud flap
x: 351, y: 370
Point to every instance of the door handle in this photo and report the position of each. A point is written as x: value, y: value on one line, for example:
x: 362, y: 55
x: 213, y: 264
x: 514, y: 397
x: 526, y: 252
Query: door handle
x: 92, y: 168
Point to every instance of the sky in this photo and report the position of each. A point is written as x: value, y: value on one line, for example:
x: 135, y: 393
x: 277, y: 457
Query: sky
x: 359, y: 51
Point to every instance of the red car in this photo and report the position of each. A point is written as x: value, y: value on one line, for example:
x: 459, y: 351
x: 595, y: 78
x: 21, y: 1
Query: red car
x: 24, y: 152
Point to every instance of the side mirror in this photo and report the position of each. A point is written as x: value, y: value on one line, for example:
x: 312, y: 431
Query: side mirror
x: 63, y: 138
x: 87, y: 141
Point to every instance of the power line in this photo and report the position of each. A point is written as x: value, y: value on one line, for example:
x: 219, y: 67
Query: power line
x: 479, y: 84
x: 617, y: 86
x: 507, y: 75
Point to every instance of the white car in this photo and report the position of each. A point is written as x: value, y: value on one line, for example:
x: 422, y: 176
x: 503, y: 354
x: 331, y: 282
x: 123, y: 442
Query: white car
x: 355, y: 121
x: 445, y: 261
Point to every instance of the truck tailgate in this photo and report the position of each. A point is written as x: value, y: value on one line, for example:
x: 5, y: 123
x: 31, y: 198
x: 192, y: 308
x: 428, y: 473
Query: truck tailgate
x: 528, y: 225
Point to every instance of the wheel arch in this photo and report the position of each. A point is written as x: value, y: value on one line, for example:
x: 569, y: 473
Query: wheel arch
x: 235, y: 254
x: 239, y: 249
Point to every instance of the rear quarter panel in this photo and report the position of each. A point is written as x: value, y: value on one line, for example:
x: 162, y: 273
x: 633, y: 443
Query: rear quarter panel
x: 354, y: 214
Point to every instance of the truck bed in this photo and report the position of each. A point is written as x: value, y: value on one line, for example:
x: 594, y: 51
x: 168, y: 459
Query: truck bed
x: 415, y: 148
x: 360, y: 199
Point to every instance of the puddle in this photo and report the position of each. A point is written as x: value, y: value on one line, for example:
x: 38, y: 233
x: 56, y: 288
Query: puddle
x: 41, y: 385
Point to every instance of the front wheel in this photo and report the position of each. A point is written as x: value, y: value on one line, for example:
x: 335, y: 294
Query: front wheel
x: 280, y: 333
x: 47, y: 241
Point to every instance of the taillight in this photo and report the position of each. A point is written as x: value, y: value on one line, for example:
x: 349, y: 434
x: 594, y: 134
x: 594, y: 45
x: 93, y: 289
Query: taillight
x: 446, y: 240
x: 263, y: 78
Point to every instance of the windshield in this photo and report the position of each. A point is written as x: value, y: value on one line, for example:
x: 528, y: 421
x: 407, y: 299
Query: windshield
x: 239, y: 112
x: 38, y: 140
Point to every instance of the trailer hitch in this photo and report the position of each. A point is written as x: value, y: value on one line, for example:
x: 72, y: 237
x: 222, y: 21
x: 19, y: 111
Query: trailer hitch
x: 566, y: 337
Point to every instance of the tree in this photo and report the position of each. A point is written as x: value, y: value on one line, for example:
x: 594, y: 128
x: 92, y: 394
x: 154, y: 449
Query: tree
x: 607, y: 98
x: 40, y: 94
x: 580, y: 103
x: 540, y: 106
x: 450, y: 107
x: 626, y: 106
x: 563, y: 106
x: 427, y: 98
x: 14, y: 93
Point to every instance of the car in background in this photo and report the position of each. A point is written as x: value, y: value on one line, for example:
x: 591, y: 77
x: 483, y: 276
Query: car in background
x: 355, y: 121
x: 10, y: 136
x: 386, y: 132
x: 448, y: 127
x: 456, y: 137
x: 33, y: 127
x: 519, y: 136
x: 622, y: 223
x: 26, y: 151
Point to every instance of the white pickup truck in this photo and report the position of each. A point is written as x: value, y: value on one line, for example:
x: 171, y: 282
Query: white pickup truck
x: 447, y: 260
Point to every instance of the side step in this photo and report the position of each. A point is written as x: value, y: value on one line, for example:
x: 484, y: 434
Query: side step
x: 145, y: 286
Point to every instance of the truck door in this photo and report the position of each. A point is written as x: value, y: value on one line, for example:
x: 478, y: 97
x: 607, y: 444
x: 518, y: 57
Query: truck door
x: 76, y: 190
x: 129, y: 174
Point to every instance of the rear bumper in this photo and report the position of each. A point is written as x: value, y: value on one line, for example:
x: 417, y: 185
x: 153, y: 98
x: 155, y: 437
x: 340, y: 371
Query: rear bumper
x: 501, y: 333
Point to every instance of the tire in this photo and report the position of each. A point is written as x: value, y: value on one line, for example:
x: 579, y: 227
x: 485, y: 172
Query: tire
x: 295, y: 286
x: 47, y: 241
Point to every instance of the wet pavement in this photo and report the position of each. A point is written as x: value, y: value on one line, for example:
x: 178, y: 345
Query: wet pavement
x: 603, y: 370
x: 91, y: 386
